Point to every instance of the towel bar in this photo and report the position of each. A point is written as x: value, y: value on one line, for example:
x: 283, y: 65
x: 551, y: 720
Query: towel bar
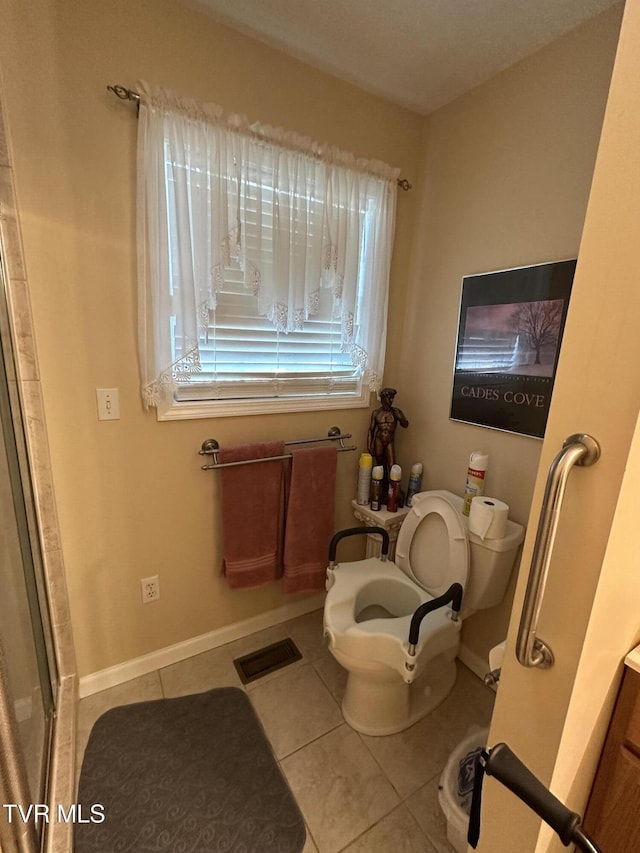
x: 210, y: 447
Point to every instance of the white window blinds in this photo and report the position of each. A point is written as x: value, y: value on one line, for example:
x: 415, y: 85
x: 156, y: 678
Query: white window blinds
x: 263, y: 259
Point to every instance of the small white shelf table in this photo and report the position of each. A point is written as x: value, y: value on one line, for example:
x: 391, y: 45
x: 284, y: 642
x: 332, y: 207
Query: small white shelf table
x: 389, y: 521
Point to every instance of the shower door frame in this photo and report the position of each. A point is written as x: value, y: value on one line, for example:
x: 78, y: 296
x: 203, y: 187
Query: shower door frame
x: 24, y: 775
x: 44, y: 531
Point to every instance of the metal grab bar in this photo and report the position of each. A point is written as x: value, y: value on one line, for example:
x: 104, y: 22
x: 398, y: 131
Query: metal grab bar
x: 579, y: 449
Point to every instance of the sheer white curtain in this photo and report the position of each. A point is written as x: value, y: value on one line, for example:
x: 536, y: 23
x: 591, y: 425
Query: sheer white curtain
x: 320, y: 218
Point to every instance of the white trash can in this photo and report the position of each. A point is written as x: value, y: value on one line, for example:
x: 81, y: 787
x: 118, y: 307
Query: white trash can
x: 456, y: 786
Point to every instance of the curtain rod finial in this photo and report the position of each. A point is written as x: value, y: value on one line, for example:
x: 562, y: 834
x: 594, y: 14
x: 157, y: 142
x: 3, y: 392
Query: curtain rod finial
x: 123, y: 93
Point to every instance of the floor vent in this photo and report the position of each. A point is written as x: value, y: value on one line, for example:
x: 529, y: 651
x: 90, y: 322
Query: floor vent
x: 267, y: 660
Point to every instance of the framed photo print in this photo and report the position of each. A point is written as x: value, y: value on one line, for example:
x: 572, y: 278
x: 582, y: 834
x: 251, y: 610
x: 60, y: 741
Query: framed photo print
x: 509, y: 335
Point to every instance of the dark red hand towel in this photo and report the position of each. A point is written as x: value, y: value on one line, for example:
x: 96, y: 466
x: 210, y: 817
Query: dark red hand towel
x: 252, y: 515
x: 310, y: 518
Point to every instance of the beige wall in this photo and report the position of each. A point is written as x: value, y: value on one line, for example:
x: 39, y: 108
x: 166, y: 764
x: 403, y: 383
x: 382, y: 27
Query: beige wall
x: 508, y: 170
x: 132, y: 499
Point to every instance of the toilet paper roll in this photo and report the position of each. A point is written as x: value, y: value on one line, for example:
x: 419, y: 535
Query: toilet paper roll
x: 496, y: 655
x: 488, y: 517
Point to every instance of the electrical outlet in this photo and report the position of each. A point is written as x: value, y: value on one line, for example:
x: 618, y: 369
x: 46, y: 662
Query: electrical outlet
x: 150, y: 589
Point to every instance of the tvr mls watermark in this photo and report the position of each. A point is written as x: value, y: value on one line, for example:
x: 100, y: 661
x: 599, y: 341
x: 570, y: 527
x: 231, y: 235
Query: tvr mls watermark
x: 43, y: 813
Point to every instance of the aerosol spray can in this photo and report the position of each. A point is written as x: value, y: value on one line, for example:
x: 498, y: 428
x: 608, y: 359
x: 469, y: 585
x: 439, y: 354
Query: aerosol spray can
x: 395, y: 475
x: 415, y: 481
x: 364, y: 478
x: 376, y: 487
x: 478, y: 464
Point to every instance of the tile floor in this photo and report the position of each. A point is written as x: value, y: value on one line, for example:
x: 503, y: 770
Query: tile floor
x: 358, y: 794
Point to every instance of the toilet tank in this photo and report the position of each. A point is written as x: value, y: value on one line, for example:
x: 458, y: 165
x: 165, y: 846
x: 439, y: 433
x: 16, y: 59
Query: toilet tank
x: 491, y: 564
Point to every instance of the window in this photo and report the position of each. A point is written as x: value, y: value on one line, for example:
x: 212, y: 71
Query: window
x: 263, y: 266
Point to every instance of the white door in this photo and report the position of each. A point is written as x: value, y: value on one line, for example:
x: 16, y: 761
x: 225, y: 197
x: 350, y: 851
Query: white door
x: 555, y: 719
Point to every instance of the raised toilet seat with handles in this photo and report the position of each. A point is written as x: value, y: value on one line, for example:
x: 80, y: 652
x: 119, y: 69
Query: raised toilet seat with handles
x: 392, y: 626
x: 370, y: 602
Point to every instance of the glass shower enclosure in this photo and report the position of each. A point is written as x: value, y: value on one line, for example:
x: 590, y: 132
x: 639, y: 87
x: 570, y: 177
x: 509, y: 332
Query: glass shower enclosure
x: 27, y: 662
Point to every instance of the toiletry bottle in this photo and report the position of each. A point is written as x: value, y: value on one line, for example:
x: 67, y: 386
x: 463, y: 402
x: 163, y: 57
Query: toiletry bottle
x: 478, y: 463
x: 415, y: 481
x: 364, y: 478
x: 395, y: 475
x: 376, y: 487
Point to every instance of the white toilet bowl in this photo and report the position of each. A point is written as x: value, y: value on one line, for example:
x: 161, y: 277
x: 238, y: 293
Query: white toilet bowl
x: 370, y: 604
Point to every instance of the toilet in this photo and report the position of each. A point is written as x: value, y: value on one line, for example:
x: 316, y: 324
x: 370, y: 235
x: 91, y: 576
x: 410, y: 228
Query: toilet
x: 370, y: 604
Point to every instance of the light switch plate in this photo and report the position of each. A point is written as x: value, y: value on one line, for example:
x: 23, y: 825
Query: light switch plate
x: 108, y: 404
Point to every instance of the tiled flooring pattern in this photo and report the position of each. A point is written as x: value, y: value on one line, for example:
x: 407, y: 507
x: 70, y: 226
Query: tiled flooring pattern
x: 358, y: 794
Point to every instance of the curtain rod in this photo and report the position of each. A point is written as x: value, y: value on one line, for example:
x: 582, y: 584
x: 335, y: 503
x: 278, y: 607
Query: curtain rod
x: 130, y: 95
x: 210, y: 447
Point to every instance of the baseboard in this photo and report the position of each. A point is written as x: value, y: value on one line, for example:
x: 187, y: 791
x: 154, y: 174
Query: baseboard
x: 473, y: 661
x: 134, y: 668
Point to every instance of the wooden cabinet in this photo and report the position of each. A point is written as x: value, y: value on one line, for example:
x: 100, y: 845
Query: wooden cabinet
x: 612, y: 817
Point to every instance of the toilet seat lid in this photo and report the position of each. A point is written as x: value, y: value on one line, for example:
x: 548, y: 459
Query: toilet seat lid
x: 433, y: 545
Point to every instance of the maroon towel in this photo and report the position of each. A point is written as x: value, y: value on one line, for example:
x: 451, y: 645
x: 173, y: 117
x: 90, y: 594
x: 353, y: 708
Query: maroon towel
x: 310, y: 518
x: 252, y: 515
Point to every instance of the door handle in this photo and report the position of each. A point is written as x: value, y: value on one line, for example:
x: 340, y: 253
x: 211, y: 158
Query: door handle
x: 579, y: 449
